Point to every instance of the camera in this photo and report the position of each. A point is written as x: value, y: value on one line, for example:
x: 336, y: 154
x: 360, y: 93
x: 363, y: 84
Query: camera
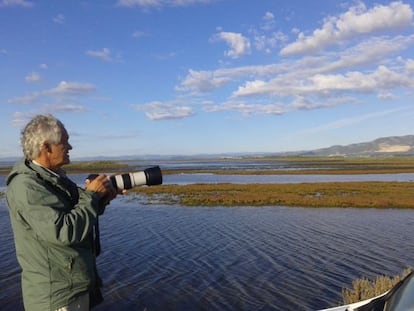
x: 150, y: 176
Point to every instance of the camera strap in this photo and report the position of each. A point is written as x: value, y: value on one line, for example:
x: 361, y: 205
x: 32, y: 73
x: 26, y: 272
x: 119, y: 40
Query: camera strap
x: 97, y: 238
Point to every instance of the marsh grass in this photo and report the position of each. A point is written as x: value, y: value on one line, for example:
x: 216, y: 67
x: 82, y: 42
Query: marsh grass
x: 363, y: 288
x: 336, y: 194
x: 95, y: 166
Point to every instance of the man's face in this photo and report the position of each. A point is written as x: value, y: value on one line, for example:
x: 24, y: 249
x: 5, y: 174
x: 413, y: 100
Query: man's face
x: 59, y: 153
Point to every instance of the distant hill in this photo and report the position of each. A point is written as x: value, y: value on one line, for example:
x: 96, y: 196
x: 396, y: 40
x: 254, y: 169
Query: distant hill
x: 385, y: 146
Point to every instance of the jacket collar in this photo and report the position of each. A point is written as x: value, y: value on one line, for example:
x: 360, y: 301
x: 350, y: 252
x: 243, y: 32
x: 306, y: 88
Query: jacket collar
x: 45, y: 168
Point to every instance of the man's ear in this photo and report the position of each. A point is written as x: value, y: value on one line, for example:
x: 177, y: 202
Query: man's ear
x: 47, y: 147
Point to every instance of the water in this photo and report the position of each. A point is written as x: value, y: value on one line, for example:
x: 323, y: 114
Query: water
x: 182, y: 179
x: 272, y: 258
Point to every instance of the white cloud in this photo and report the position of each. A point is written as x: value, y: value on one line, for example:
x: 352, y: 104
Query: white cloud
x: 269, y: 107
x: 139, y: 3
x: 239, y: 45
x: 268, y: 21
x: 75, y: 88
x: 327, y: 84
x: 410, y: 66
x: 55, y: 108
x: 164, y: 111
x: 381, y: 79
x: 356, y: 21
x: 380, y: 18
x: 27, y: 99
x: 370, y: 51
x: 59, y: 19
x: 33, y: 77
x: 165, y: 56
x: 21, y: 118
x: 202, y: 81
x: 104, y: 54
x: 385, y: 96
x: 16, y: 3
x: 266, y: 38
x: 268, y: 42
x: 139, y: 34
x: 63, y: 89
x: 249, y: 108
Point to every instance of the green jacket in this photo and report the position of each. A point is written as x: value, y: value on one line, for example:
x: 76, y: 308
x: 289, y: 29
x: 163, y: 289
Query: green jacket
x: 52, y: 221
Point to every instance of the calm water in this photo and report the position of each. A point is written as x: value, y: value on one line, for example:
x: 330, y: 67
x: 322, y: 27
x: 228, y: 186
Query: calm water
x: 158, y: 257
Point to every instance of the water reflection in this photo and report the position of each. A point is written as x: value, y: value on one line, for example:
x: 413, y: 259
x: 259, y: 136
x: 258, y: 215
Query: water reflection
x: 260, y: 179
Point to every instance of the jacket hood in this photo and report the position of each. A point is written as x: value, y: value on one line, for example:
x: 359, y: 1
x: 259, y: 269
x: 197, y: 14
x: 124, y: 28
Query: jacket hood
x: 26, y: 167
x: 19, y: 168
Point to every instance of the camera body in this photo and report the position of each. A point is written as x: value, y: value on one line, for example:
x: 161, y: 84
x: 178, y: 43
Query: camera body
x: 150, y: 176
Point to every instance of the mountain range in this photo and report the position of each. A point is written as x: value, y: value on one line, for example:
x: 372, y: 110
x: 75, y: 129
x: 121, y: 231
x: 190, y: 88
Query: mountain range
x: 385, y: 146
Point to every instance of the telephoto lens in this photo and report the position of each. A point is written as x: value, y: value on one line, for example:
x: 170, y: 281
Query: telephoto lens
x: 150, y: 177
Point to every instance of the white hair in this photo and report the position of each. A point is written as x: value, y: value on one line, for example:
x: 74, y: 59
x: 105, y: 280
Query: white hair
x: 41, y: 129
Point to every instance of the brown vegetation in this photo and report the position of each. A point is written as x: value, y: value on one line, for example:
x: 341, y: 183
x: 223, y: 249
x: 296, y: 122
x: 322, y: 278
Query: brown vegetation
x: 364, y: 288
x: 335, y: 194
x: 95, y: 167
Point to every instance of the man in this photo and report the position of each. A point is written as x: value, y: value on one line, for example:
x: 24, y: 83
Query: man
x: 54, y: 221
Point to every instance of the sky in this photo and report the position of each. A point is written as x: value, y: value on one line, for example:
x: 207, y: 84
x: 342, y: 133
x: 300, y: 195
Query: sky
x: 190, y: 77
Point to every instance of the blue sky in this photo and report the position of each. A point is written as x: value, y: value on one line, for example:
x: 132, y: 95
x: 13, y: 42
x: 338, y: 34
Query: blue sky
x: 168, y: 77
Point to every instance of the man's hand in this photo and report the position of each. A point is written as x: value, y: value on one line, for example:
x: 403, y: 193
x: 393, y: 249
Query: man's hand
x: 103, y: 186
